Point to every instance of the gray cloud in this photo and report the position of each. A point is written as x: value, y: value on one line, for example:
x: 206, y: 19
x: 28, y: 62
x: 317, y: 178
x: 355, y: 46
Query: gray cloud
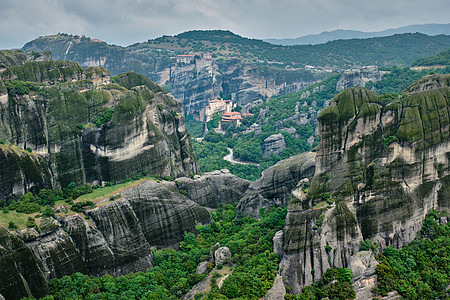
x: 124, y: 22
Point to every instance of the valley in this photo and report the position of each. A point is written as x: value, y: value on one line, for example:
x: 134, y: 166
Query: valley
x: 135, y: 184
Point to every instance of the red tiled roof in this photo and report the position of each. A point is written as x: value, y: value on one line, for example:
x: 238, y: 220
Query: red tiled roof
x: 232, y: 113
x: 231, y: 118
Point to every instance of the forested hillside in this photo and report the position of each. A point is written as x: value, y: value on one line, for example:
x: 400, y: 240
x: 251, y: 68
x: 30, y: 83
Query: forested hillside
x: 399, y: 49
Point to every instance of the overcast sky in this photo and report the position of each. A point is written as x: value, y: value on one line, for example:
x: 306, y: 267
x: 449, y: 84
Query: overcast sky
x: 124, y: 22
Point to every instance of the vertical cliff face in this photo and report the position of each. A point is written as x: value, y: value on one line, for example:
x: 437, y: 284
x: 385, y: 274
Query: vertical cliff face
x: 380, y: 168
x: 22, y: 172
x: 21, y: 275
x: 81, y: 128
x: 116, y: 238
x: 196, y: 84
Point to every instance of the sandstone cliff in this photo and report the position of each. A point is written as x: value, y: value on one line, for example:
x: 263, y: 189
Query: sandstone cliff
x: 82, y: 128
x: 380, y: 168
x: 194, y: 84
x: 117, y: 237
x: 359, y: 77
x: 276, y: 184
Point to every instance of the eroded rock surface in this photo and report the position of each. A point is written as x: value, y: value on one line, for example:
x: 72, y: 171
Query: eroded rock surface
x: 78, y: 127
x: 274, y: 145
x: 380, y: 168
x: 221, y: 254
x: 363, y: 265
x: 213, y: 188
x: 276, y: 184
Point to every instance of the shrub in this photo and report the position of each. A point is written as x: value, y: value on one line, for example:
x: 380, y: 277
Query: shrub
x: 31, y: 222
x: 12, y: 225
x: 79, y: 206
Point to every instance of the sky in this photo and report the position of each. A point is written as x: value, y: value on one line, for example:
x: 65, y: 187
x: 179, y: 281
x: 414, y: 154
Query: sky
x: 124, y: 22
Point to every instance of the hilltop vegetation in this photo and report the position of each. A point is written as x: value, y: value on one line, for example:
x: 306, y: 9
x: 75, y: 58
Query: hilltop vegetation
x: 441, y: 59
x: 399, y: 49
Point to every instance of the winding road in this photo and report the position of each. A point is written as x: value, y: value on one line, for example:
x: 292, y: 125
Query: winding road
x: 229, y: 157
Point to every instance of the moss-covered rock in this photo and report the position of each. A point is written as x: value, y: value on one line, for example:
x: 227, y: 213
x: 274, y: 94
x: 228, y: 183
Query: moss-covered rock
x: 384, y: 165
x: 88, y: 130
x: 22, y: 171
x: 21, y: 275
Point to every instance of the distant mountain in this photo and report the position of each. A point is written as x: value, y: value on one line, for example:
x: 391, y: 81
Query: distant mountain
x: 326, y: 36
x: 154, y: 55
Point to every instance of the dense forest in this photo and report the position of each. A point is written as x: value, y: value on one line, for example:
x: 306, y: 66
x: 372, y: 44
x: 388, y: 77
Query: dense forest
x: 419, y: 270
x: 442, y: 59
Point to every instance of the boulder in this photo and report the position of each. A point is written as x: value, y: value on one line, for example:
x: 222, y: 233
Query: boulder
x: 363, y: 265
x: 274, y: 144
x: 202, y: 267
x: 221, y: 254
x: 277, y: 291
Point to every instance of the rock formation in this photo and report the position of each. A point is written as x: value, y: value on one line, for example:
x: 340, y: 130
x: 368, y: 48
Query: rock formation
x: 213, y: 188
x: 276, y: 184
x: 379, y: 169
x: 221, y: 254
x: 81, y: 128
x: 274, y: 144
x: 359, y: 77
x: 21, y: 275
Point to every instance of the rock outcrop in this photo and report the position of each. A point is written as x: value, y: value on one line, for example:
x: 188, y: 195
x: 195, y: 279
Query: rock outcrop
x: 274, y: 145
x: 221, y: 254
x: 359, y: 77
x: 213, y: 188
x: 21, y: 275
x: 81, y: 128
x: 363, y: 266
x: 277, y: 291
x: 276, y: 184
x: 379, y: 169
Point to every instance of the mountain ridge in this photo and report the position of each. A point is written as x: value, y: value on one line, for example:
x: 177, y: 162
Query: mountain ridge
x: 337, y: 34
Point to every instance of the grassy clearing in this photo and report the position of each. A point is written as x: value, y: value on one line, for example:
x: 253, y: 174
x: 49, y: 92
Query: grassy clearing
x: 105, y: 192
x: 19, y: 219
x: 100, y: 197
